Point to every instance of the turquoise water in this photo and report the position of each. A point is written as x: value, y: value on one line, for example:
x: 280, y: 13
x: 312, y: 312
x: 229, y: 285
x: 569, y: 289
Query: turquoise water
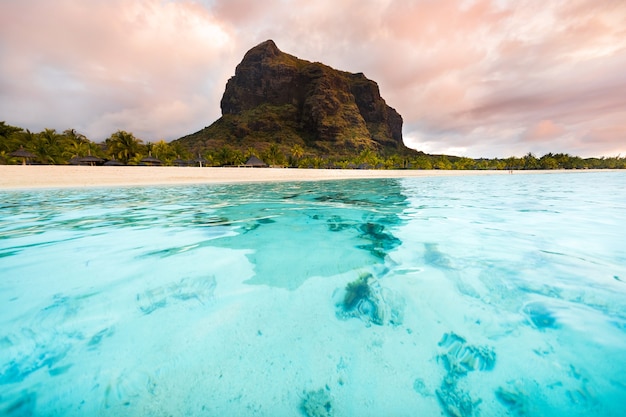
x: 466, y: 296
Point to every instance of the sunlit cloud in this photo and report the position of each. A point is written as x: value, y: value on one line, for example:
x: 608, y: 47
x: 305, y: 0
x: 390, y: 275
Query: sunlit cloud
x: 477, y: 78
x: 107, y: 65
x: 546, y: 129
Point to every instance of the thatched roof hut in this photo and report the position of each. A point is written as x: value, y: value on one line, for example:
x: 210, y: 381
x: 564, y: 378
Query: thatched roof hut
x: 23, y: 153
x: 89, y: 160
x: 151, y: 160
x: 255, y: 162
x: 113, y: 163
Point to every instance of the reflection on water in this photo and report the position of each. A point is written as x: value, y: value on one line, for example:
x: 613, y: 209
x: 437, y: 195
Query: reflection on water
x: 463, y: 296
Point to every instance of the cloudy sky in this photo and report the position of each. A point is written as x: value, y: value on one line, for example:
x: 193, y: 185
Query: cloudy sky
x: 476, y: 78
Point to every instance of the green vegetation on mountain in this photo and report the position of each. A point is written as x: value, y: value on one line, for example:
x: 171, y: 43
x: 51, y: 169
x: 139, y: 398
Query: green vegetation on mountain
x: 277, y: 99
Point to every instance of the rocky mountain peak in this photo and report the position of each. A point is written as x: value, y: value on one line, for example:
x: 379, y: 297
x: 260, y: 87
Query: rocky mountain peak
x: 264, y: 50
x: 275, y: 97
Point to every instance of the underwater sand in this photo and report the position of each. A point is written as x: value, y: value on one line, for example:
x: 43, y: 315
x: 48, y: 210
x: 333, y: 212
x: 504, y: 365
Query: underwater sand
x: 474, y: 295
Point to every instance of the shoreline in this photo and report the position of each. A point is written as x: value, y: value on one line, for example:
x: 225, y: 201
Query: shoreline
x: 15, y: 177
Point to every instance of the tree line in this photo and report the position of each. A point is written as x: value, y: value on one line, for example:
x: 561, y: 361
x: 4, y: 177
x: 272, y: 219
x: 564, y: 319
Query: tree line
x: 69, y: 146
x: 61, y: 148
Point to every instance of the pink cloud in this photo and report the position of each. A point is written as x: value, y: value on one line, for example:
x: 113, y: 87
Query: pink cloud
x: 110, y: 57
x: 607, y: 135
x: 480, y: 77
x: 545, y: 129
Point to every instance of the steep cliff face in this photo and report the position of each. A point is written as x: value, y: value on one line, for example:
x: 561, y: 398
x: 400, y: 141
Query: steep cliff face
x: 265, y: 75
x: 275, y: 97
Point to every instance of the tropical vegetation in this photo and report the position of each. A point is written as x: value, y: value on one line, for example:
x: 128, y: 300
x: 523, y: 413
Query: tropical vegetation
x: 67, y: 147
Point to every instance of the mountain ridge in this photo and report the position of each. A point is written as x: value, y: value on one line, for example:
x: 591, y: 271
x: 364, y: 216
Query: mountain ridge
x: 275, y: 98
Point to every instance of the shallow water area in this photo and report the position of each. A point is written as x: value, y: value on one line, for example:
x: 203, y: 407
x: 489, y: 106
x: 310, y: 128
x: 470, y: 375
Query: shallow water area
x: 464, y: 296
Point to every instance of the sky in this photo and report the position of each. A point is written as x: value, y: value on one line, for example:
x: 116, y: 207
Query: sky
x: 476, y: 78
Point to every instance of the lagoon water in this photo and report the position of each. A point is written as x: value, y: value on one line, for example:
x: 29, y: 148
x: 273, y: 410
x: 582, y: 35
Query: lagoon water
x: 464, y: 296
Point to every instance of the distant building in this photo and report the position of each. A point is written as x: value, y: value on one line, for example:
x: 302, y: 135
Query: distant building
x: 255, y: 162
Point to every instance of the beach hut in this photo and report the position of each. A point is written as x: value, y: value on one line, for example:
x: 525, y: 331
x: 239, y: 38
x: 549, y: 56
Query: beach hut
x: 151, y: 160
x: 113, y: 163
x: 23, y: 153
x: 255, y: 162
x: 89, y: 160
x: 200, y: 161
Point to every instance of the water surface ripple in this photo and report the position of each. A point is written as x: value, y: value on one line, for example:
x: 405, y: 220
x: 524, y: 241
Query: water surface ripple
x: 460, y: 296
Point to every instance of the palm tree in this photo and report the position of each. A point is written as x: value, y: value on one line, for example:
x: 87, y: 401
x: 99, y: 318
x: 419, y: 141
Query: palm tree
x: 274, y: 155
x: 75, y: 149
x: 72, y: 134
x: 49, y: 146
x: 367, y: 157
x: 513, y: 162
x: 8, y: 138
x: 76, y: 144
x: 530, y: 162
x: 250, y: 152
x: 297, y: 152
x: 238, y: 157
x: 225, y: 155
x: 123, y: 145
x: 164, y: 151
x: 180, y: 150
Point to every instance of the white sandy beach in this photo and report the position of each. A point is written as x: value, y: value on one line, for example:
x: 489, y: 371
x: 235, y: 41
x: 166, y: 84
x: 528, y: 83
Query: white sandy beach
x: 54, y: 176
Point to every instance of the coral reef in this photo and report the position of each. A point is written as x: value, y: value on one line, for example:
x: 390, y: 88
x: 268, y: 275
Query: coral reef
x: 365, y: 299
x: 357, y: 291
x: 317, y: 403
x: 459, y: 358
x: 454, y: 401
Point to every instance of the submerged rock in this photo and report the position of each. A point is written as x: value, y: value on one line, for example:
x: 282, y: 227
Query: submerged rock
x: 433, y: 256
x: 454, y: 401
x: 42, y: 356
x: 381, y: 241
x: 362, y: 300
x: 365, y: 299
x: 337, y: 224
x: 357, y: 291
x: 460, y: 357
x: 23, y: 405
x: 540, y: 316
x: 513, y: 400
x: 317, y: 403
x: 200, y: 289
x: 420, y: 387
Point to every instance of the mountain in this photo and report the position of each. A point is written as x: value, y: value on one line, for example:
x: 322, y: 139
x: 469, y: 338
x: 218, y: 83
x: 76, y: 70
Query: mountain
x: 277, y: 98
